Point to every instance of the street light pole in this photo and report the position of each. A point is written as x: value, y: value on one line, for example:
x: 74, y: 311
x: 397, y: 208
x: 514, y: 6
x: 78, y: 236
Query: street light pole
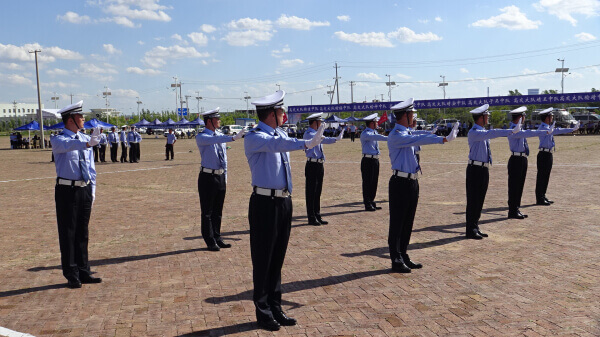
x: 247, y: 98
x: 389, y: 83
x: 562, y: 70
x: 40, y: 114
x: 176, y: 85
x: 138, y: 104
x: 106, y: 93
x: 198, y: 98
x: 278, y: 87
x: 444, y: 84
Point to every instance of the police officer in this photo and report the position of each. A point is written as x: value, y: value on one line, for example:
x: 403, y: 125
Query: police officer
x: 134, y: 139
x: 478, y: 175
x: 517, y: 164
x: 270, y: 209
x: 74, y: 194
x: 544, y: 158
x: 103, y: 142
x: 352, y: 130
x: 95, y: 148
x: 171, y: 139
x: 113, y: 141
x: 403, y: 185
x: 212, y: 179
x: 369, y: 165
x: 314, y: 171
x: 124, y: 143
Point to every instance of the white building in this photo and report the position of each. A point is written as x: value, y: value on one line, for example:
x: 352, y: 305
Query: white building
x: 18, y: 110
x: 97, y: 113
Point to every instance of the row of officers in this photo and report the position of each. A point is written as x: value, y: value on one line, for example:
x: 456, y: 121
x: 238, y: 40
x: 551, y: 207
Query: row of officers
x: 267, y: 150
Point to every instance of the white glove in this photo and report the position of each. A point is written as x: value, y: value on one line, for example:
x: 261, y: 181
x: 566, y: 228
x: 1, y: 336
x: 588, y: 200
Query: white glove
x: 453, y: 133
x: 552, y: 127
x: 316, y: 140
x: 93, y: 193
x: 434, y: 130
x: 517, y: 128
x: 576, y: 126
x: 95, y: 138
x: 340, y: 136
x: 239, y: 135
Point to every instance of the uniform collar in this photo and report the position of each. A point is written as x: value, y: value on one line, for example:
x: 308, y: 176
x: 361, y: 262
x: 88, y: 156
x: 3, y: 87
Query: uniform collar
x: 478, y: 127
x: 70, y: 133
x: 544, y: 124
x: 266, y: 128
x: 209, y: 131
x: 310, y: 129
x: 401, y: 127
x: 368, y: 129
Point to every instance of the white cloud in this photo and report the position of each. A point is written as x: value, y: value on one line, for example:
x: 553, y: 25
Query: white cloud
x: 464, y: 70
x: 123, y: 21
x: 198, y: 38
x: 11, y: 66
x: 250, y: 24
x: 125, y: 93
x: 423, y: 21
x: 247, y: 37
x: 294, y: 22
x: 585, y: 37
x: 344, y: 18
x: 369, y: 76
x: 158, y: 56
x: 365, y: 39
x: 406, y: 77
x: 565, y: 9
x: 137, y: 10
x: 101, y: 73
x: 72, y: 17
x: 406, y: 35
x: 438, y: 19
x: 213, y: 88
x: 176, y: 37
x: 57, y: 72
x: 511, y: 18
x: 139, y: 71
x: 278, y: 53
x: 15, y: 79
x: 291, y: 63
x: 207, y: 28
x: 110, y: 49
x: 60, y: 84
x: 48, y: 54
x: 141, y: 43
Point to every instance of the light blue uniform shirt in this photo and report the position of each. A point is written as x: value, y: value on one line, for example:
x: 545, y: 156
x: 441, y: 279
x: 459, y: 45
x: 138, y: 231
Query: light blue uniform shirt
x: 113, y: 137
x: 123, y: 137
x: 66, y: 155
x: 171, y: 138
x: 133, y: 137
x: 267, y: 152
x: 419, y: 132
x: 479, y: 142
x: 369, y: 141
x: 317, y: 151
x: 401, y: 144
x: 518, y: 141
x: 212, y: 149
x: 546, y: 140
x: 103, y: 139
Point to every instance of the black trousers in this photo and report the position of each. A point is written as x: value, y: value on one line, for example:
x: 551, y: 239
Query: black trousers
x: 123, y: 152
x: 95, y: 148
x: 211, y: 189
x: 517, y: 172
x: 352, y: 136
x: 169, y: 150
x: 103, y: 152
x: 270, y: 225
x: 73, y: 209
x: 134, y: 152
x: 544, y: 167
x: 404, y: 197
x: 113, y: 152
x: 478, y: 178
x: 369, y: 168
x: 313, y: 172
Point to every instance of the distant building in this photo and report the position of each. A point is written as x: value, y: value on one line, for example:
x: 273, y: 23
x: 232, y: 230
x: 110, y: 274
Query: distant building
x: 97, y: 113
x: 18, y: 110
x: 533, y: 91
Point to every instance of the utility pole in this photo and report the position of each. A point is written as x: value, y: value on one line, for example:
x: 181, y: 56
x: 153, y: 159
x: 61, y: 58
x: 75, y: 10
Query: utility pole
x: 247, y: 98
x: 138, y: 104
x: 330, y: 94
x: 278, y: 87
x: 336, y: 85
x: 176, y: 85
x: 562, y: 70
x: 352, y: 84
x: 106, y: 93
x: 71, y: 94
x: 444, y: 84
x: 187, y: 105
x: 54, y: 98
x: 389, y: 83
x: 198, y: 98
x: 40, y: 115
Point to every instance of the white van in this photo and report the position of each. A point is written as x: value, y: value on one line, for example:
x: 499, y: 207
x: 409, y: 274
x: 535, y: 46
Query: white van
x: 232, y: 129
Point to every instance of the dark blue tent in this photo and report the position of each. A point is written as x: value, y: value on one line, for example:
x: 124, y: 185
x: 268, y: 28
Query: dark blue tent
x: 57, y: 126
x: 196, y: 122
x: 93, y: 123
x: 143, y: 122
x: 182, y: 122
x: 29, y: 126
x: 333, y: 119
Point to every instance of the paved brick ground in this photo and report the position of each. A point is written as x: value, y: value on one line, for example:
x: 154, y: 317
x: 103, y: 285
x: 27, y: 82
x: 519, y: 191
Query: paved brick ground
x: 531, y: 277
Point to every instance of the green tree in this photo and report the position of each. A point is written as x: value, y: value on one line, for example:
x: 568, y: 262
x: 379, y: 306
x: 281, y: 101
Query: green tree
x: 514, y: 93
x: 548, y: 92
x: 595, y: 90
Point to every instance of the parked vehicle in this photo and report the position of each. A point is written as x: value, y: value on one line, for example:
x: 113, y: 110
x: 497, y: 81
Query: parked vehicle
x: 231, y: 129
x: 562, y: 118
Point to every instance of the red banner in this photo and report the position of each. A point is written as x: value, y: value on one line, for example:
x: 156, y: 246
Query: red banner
x: 383, y: 119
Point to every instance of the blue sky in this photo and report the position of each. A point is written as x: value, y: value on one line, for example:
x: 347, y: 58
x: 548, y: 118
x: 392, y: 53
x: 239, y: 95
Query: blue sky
x: 222, y: 49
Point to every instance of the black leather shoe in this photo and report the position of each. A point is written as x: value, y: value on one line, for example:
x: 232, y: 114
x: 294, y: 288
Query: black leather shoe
x: 410, y: 264
x: 543, y: 202
x: 515, y: 215
x: 314, y: 223
x: 523, y: 215
x: 222, y: 244
x: 482, y: 234
x: 90, y: 279
x: 323, y: 222
x: 73, y: 284
x: 283, y: 319
x: 400, y: 267
x: 375, y: 206
x: 270, y: 325
x: 214, y: 248
x: 370, y: 209
x: 548, y: 200
x: 474, y: 234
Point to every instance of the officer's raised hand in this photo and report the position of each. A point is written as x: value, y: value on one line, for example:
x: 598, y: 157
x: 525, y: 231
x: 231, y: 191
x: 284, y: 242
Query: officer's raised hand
x: 340, y: 136
x: 517, y: 128
x: 316, y: 140
x: 239, y: 135
x: 552, y: 127
x: 576, y: 126
x: 95, y: 138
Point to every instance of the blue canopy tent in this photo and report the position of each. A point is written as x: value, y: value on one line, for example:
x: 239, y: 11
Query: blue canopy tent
x: 196, y: 122
x: 93, y: 123
x: 352, y: 119
x: 28, y: 127
x: 333, y: 119
x: 57, y: 126
x: 155, y: 124
x: 169, y: 123
x: 182, y: 122
x: 143, y: 122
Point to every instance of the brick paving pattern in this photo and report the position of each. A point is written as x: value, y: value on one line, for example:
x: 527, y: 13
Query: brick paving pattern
x: 532, y: 277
